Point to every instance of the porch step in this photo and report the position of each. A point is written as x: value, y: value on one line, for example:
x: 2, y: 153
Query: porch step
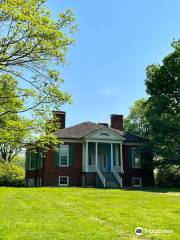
x: 111, y: 181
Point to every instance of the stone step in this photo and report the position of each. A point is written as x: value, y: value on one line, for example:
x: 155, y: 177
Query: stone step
x: 111, y: 181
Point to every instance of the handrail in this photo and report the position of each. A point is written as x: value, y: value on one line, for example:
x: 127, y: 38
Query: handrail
x: 116, y: 174
x: 102, y: 178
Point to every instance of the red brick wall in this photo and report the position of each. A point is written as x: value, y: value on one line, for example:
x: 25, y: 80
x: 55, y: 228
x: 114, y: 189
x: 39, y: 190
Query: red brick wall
x: 52, y: 172
x: 90, y: 179
x: 34, y: 173
x: 38, y: 173
x: 146, y: 174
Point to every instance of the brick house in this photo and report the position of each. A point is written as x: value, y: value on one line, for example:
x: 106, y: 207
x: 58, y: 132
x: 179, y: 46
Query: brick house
x: 96, y: 155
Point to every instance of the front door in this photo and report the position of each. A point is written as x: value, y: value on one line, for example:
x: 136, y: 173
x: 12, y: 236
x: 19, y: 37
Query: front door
x: 103, y: 162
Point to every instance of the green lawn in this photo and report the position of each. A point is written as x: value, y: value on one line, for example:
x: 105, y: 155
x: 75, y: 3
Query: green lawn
x: 87, y: 214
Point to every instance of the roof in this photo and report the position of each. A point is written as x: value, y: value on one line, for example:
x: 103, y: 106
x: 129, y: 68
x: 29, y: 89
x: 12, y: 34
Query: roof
x: 83, y: 129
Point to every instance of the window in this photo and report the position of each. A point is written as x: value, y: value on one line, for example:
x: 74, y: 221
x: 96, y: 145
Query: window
x: 31, y: 158
x: 64, y: 156
x: 135, y: 158
x: 31, y: 162
x: 136, y: 182
x: 63, y: 181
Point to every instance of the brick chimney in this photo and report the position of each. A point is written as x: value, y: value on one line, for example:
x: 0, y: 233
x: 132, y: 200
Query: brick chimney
x: 61, y: 117
x: 117, y: 121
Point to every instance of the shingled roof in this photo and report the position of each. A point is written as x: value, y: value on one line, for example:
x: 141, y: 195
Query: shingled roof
x: 83, y: 129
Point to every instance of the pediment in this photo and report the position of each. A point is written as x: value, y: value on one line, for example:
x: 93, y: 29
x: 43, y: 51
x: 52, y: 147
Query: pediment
x: 105, y: 134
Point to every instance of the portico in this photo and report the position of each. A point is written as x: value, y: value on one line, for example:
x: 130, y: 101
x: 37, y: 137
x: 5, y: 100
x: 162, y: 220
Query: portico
x: 102, y: 153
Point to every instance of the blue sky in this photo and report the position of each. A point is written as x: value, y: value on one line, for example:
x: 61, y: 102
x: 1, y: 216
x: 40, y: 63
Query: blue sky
x: 116, y: 42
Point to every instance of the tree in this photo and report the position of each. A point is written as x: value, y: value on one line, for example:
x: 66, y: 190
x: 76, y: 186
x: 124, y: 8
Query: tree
x: 136, y: 121
x: 33, y: 47
x: 163, y: 112
x: 14, y: 129
x: 13, y: 137
x: 168, y: 176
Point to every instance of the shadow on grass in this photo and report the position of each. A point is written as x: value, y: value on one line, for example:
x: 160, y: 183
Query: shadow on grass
x: 155, y: 189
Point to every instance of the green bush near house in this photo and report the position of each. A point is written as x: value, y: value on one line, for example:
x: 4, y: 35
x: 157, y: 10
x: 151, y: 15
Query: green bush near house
x: 11, y: 175
x: 168, y: 176
x: 87, y: 213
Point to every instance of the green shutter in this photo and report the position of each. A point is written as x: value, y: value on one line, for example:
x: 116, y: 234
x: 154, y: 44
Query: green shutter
x: 57, y: 155
x: 70, y: 154
x: 130, y: 157
x: 39, y: 159
x: 34, y: 159
x: 27, y: 159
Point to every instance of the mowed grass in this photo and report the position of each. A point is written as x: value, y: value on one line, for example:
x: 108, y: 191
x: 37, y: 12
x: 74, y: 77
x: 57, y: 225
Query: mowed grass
x: 87, y: 214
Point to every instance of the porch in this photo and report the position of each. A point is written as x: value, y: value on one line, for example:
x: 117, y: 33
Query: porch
x: 103, y: 158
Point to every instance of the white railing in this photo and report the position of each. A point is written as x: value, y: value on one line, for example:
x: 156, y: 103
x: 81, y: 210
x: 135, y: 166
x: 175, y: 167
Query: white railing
x: 116, y: 174
x: 102, y: 178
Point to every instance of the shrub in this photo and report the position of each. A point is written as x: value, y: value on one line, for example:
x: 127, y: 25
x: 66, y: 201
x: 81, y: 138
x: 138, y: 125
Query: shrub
x: 168, y: 176
x: 11, y: 175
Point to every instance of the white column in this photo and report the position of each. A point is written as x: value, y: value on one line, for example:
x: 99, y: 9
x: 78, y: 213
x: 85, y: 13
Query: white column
x: 121, y: 156
x: 86, y: 158
x: 96, y: 154
x: 121, y: 163
x: 117, y: 151
x: 111, y: 155
x: 83, y: 154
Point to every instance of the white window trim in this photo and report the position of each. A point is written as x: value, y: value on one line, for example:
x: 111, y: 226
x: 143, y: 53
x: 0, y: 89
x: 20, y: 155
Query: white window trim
x: 132, y: 160
x: 67, y: 156
x: 138, y: 179
x: 63, y: 185
x: 30, y: 151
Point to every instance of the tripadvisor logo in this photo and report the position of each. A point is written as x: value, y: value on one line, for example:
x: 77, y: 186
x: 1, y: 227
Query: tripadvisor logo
x: 138, y: 231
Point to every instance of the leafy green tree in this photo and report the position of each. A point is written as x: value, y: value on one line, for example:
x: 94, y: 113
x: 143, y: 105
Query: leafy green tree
x: 168, y: 176
x: 33, y: 49
x: 14, y: 129
x: 163, y: 112
x: 136, y: 121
